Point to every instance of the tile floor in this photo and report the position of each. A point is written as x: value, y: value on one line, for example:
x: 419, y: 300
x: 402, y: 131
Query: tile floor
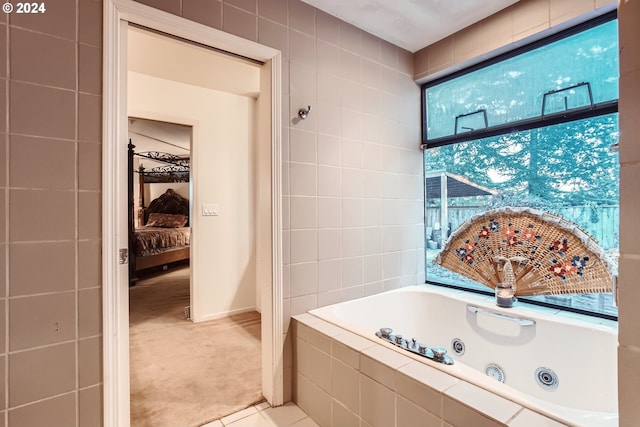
x: 263, y: 415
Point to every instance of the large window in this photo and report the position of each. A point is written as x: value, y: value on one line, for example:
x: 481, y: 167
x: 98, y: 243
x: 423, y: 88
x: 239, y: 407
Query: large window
x: 537, y: 127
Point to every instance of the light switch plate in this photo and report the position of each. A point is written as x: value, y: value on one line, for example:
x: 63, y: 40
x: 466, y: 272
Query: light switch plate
x: 210, y: 209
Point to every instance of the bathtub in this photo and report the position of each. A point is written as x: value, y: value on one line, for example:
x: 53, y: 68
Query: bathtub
x: 558, y: 364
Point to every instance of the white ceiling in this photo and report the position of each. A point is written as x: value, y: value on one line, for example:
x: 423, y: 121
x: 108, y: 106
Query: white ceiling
x: 411, y: 24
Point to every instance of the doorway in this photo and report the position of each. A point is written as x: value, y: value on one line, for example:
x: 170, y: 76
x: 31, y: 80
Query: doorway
x: 118, y: 15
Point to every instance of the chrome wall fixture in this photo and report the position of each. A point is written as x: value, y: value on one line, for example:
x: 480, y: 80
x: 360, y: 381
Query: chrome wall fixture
x: 303, y: 113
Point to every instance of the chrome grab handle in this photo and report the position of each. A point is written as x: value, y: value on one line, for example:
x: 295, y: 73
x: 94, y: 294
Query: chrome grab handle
x: 519, y: 320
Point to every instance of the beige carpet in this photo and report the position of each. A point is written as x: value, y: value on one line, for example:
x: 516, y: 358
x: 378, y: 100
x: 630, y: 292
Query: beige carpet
x: 183, y: 373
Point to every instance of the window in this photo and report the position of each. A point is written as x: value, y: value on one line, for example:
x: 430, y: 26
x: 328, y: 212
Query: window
x: 536, y: 127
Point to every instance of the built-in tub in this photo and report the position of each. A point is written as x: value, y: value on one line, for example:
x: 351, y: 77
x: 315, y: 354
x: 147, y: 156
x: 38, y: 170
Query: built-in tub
x: 580, y: 350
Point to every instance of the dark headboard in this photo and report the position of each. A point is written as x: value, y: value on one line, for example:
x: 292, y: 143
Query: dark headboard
x: 169, y: 202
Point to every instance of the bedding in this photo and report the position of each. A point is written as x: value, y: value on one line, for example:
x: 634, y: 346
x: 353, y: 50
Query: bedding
x: 151, y: 240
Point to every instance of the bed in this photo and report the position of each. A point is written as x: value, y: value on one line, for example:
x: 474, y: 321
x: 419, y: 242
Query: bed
x: 159, y: 233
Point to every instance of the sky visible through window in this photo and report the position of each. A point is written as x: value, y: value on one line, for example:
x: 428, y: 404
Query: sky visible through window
x: 568, y: 168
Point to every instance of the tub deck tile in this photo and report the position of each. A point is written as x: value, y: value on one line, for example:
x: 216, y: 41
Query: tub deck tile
x: 528, y: 418
x: 483, y: 401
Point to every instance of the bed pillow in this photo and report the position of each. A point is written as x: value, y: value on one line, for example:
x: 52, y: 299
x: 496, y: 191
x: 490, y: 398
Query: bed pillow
x: 167, y: 220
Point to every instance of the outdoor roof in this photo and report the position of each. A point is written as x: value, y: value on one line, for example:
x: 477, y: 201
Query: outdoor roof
x: 457, y: 186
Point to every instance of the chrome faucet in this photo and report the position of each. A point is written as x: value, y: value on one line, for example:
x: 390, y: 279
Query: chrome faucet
x: 437, y: 354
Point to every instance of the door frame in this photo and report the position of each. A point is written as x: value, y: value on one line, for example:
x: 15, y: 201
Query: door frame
x: 117, y: 14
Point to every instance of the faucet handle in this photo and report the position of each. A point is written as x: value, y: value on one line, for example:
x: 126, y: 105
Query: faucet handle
x: 385, y: 332
x: 439, y: 353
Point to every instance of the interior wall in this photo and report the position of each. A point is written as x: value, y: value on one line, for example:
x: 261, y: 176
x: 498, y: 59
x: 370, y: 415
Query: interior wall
x: 629, y: 268
x: 223, y: 150
x: 517, y: 22
x: 50, y: 216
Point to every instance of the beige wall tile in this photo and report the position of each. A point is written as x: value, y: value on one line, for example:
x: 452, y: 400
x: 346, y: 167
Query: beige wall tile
x: 350, y: 38
x: 458, y: 414
x: 4, y: 164
x: 38, y: 374
x: 410, y: 415
x: 42, y: 163
x: 629, y: 35
x: 341, y: 416
x: 302, y: 50
x: 3, y: 50
x: 3, y: 381
x: 207, y: 12
x: 89, y: 166
x: 371, y: 48
x: 528, y: 418
x: 482, y: 400
x: 628, y: 298
x: 274, y: 35
x: 380, y: 363
x: 89, y: 118
x: 345, y: 386
x: 274, y: 10
x: 389, y: 54
x: 328, y: 62
x: 629, y: 148
x: 629, y: 410
x: 89, y: 213
x: 90, y: 69
x: 468, y: 44
x: 328, y: 28
x: 42, y: 111
x: 90, y: 407
x: 530, y: 15
x: 57, y: 411
x: 422, y: 395
x: 43, y: 59
x: 563, y: 10
x: 497, y: 30
x: 319, y: 368
x: 25, y: 210
x: 3, y: 268
x: 405, y: 62
x: 302, y: 17
x: 3, y: 334
x: 377, y: 403
x: 55, y: 320
x: 239, y: 22
x: 248, y: 5
x: 350, y: 66
x: 89, y: 264
x: 89, y: 312
x: 89, y: 361
x: 58, y: 20
x: 313, y: 401
x: 171, y: 6
x: 55, y: 272
x: 90, y: 22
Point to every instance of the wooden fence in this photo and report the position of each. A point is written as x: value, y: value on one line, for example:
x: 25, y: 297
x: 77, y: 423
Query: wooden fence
x: 601, y: 222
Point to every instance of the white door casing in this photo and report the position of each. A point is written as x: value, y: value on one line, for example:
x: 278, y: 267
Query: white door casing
x: 118, y: 14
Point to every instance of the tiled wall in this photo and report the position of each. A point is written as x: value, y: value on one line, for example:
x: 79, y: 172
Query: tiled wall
x: 50, y: 180
x: 352, y: 171
x: 523, y: 19
x: 629, y: 295
x: 342, y: 379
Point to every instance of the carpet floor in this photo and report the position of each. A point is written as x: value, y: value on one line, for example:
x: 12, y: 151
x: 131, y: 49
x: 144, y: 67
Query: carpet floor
x: 183, y: 373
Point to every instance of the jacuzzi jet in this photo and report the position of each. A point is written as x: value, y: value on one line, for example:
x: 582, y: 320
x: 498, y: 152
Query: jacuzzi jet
x: 458, y: 346
x: 546, y: 378
x: 495, y: 372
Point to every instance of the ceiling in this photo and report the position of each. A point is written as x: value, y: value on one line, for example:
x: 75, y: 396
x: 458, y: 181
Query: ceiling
x: 411, y: 24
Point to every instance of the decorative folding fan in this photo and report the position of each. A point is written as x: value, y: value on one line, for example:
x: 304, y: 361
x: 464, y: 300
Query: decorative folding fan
x: 542, y: 253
